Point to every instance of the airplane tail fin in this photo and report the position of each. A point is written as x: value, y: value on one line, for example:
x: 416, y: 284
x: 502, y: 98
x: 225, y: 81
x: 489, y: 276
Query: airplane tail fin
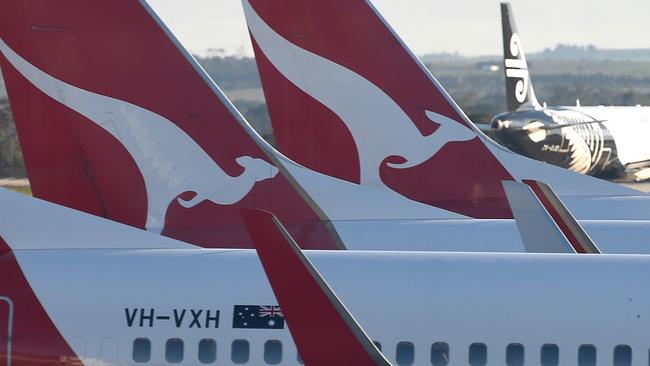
x: 117, y: 119
x: 519, y: 87
x: 301, y: 291
x: 347, y: 98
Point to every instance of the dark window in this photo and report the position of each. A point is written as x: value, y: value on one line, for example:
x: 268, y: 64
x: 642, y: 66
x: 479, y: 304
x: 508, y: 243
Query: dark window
x: 478, y: 354
x: 300, y: 359
x: 515, y: 355
x: 207, y: 351
x: 405, y: 355
x: 273, y: 352
x: 141, y: 350
x: 240, y: 351
x: 440, y: 354
x: 174, y: 350
x: 377, y: 344
x: 587, y: 355
x: 622, y: 355
x: 550, y: 355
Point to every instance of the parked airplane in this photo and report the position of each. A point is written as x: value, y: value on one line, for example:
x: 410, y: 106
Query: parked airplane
x: 347, y: 98
x: 80, y: 290
x: 106, y: 130
x: 600, y: 141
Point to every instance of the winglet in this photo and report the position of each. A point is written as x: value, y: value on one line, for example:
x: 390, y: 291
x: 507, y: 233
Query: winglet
x: 573, y: 231
x: 538, y: 231
x: 301, y: 292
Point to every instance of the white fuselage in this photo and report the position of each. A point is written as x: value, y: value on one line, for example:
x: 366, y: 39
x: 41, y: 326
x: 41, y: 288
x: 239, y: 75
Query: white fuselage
x: 421, y: 298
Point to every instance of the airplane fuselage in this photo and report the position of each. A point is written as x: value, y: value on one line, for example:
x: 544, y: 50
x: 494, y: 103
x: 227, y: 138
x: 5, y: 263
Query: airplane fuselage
x: 113, y: 307
x: 600, y: 141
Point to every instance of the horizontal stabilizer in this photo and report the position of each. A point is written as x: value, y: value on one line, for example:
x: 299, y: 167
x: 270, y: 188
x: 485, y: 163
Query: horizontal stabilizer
x: 332, y: 338
x: 30, y: 223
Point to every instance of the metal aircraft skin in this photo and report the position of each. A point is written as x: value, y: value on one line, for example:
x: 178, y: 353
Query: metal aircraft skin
x: 82, y: 290
x: 117, y: 119
x: 610, y: 141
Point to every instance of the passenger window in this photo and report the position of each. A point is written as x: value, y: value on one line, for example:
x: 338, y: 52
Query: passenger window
x: 478, y: 354
x: 405, y: 355
x: 273, y: 352
x: 587, y: 355
x: 240, y: 351
x: 174, y: 350
x: 207, y: 351
x: 440, y: 354
x: 622, y: 355
x: 515, y: 355
x: 141, y: 350
x: 377, y: 344
x: 550, y: 355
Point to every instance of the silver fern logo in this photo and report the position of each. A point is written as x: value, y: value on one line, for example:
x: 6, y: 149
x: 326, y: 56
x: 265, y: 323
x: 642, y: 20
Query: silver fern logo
x: 517, y: 68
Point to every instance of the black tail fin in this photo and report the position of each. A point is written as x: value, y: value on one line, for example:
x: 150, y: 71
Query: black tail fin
x: 519, y: 89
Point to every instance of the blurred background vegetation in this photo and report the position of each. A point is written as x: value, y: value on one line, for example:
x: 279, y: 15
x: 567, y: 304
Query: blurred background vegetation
x: 560, y: 76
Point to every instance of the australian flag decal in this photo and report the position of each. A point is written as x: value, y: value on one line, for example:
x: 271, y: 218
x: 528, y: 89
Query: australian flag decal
x: 257, y: 317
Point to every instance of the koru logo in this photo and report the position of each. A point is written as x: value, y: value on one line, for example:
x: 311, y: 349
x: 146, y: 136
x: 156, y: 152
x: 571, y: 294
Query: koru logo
x: 516, y: 68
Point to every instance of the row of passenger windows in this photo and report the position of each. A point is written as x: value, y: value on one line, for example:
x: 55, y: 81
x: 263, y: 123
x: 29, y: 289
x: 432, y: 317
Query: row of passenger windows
x: 404, y: 353
x: 515, y: 355
x: 207, y: 351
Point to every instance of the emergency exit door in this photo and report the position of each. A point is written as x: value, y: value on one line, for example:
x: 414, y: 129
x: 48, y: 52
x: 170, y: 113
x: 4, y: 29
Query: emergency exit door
x: 6, y: 327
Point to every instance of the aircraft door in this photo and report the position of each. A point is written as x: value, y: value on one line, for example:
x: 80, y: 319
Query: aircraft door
x: 6, y: 327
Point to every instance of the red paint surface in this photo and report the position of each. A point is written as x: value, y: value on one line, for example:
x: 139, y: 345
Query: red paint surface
x: 4, y: 332
x: 36, y: 340
x: 325, y: 339
x: 463, y: 177
x: 116, y: 49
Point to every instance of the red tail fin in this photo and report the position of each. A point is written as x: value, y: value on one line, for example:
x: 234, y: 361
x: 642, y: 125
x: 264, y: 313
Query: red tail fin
x: 116, y: 119
x: 334, y: 337
x: 348, y: 99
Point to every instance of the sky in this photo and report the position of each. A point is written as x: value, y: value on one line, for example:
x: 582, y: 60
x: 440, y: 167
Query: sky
x: 470, y: 27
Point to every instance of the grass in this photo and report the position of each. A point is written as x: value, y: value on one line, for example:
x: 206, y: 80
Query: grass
x: 20, y: 189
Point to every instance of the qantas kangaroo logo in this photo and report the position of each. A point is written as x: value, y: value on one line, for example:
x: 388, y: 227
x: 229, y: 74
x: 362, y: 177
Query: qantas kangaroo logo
x: 170, y: 161
x: 517, y: 68
x: 379, y: 127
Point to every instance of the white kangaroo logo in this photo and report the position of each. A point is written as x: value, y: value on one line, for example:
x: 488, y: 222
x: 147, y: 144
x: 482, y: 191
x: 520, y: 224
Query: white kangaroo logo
x: 517, y: 68
x: 170, y: 161
x: 379, y: 127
